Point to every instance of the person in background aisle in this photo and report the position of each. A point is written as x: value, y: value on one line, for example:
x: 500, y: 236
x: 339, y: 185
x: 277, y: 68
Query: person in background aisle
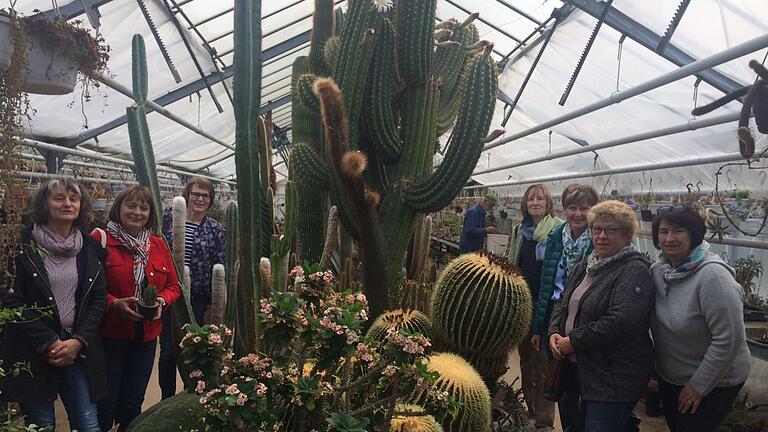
x: 527, y: 244
x: 137, y: 259
x: 566, y: 246
x: 600, y: 325
x: 60, y: 285
x: 203, y: 247
x: 474, y: 230
x: 702, y: 357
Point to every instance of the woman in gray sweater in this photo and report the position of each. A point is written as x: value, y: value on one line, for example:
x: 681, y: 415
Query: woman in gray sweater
x: 698, y: 330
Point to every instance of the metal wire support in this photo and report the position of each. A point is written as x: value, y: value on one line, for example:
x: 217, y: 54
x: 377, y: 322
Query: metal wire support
x: 585, y: 53
x: 159, y: 41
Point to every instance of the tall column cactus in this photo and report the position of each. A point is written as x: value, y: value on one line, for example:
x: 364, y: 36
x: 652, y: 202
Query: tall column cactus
x: 281, y: 244
x: 146, y: 174
x: 403, y: 84
x: 247, y: 98
x: 232, y: 234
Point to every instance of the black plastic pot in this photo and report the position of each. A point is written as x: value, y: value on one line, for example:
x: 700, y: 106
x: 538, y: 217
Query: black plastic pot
x: 646, y: 215
x: 147, y: 312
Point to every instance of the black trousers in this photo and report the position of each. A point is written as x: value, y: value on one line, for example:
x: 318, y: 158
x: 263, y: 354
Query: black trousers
x: 166, y: 365
x: 712, y: 410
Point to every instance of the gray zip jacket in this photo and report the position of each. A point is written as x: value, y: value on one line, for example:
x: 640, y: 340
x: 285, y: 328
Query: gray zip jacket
x: 698, y: 327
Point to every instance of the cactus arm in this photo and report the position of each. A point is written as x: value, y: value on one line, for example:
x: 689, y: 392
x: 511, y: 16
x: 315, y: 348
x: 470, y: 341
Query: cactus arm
x: 247, y: 80
x: 139, y: 70
x: 322, y: 29
x: 466, y: 143
x: 310, y: 168
x: 304, y: 93
x: 415, y: 21
x: 349, y: 167
x: 331, y: 51
x: 281, y: 245
x: 219, y: 294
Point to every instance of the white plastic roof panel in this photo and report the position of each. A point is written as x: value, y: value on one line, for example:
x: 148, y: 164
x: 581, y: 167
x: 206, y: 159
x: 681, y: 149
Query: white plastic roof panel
x: 708, y: 27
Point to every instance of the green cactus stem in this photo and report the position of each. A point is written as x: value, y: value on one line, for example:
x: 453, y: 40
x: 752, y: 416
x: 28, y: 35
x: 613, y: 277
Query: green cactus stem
x: 218, y: 294
x: 415, y: 20
x: 422, y: 238
x: 481, y: 305
x: 311, y: 165
x: 323, y: 27
x: 149, y: 296
x: 266, y: 176
x: 231, y: 235
x: 331, y: 237
x: 247, y: 99
x: 179, y: 215
x: 281, y: 244
x: 411, y: 320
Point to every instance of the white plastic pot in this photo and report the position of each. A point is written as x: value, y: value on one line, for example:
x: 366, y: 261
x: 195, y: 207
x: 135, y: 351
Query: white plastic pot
x: 497, y: 243
x: 5, y: 43
x: 48, y: 72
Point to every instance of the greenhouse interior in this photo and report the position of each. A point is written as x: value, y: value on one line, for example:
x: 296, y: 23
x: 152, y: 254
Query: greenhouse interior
x: 384, y: 215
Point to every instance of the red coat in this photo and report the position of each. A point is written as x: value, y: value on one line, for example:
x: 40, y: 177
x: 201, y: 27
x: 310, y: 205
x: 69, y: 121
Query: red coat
x: 119, y: 271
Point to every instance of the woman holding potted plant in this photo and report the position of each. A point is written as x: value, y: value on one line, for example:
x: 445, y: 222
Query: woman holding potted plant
x: 702, y: 357
x: 140, y: 271
x: 60, y: 285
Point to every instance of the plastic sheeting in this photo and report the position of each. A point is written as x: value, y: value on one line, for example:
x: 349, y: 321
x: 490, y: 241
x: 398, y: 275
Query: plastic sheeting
x: 707, y: 27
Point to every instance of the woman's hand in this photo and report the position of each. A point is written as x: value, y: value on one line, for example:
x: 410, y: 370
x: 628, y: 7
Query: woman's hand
x: 688, y: 400
x: 63, y: 353
x: 536, y: 342
x: 553, y: 340
x: 564, y: 345
x: 125, y: 308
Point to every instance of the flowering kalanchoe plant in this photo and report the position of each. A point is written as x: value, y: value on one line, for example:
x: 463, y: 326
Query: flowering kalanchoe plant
x: 203, y: 349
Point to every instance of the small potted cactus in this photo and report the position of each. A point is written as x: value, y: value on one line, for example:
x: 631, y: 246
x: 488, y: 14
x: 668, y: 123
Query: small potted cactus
x: 148, y: 303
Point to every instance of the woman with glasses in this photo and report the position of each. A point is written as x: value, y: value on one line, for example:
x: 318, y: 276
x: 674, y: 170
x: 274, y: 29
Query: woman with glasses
x: 137, y: 260
x: 702, y: 357
x: 600, y: 325
x: 527, y: 245
x: 203, y: 247
x: 60, y: 287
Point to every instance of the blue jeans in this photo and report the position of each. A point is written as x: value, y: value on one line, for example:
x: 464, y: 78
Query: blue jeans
x: 75, y: 394
x: 166, y: 365
x: 129, y: 366
x: 607, y: 416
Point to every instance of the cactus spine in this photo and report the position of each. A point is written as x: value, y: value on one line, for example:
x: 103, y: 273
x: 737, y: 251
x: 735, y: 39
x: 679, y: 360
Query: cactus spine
x: 218, y: 294
x: 247, y: 98
x: 413, y: 418
x: 399, y: 92
x: 480, y: 307
x: 411, y: 320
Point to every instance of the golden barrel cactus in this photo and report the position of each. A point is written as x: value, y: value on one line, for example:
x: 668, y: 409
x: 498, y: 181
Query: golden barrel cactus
x: 412, y: 320
x: 413, y: 418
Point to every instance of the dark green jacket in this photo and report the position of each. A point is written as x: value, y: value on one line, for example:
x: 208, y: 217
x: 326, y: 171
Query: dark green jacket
x: 543, y: 305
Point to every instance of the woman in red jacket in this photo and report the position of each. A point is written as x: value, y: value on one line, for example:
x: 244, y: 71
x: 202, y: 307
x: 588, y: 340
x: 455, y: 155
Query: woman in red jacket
x: 137, y: 259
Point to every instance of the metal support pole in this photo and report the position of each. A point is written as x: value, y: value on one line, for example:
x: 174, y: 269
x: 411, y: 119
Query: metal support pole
x: 109, y: 82
x: 685, y: 127
x: 53, y: 160
x: 730, y: 157
x: 75, y: 152
x: 734, y: 52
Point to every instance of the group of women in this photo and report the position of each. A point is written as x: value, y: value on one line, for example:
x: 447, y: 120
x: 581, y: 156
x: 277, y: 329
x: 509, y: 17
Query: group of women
x: 610, y: 321
x: 80, y: 334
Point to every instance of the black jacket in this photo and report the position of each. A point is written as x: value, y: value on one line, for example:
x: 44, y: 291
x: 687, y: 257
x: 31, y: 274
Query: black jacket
x: 610, y: 337
x: 27, y: 340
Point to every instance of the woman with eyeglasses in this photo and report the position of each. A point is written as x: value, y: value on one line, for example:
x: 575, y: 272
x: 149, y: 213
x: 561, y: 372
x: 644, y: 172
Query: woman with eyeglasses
x: 600, y: 325
x: 702, y: 357
x: 137, y: 260
x: 528, y: 243
x: 203, y: 248
x: 60, y: 288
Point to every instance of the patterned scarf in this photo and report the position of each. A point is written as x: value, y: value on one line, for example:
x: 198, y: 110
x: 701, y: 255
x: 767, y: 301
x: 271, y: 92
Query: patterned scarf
x: 683, y: 269
x: 595, y: 264
x: 139, y: 245
x: 574, y: 250
x: 539, y: 232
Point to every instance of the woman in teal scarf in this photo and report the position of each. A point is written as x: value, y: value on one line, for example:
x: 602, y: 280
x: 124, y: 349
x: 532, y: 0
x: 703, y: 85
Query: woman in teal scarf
x: 527, y: 246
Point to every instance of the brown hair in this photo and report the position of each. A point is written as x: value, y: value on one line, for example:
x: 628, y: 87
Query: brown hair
x: 615, y: 211
x: 202, y: 183
x: 528, y: 192
x: 576, y: 193
x: 40, y: 211
x: 139, y: 193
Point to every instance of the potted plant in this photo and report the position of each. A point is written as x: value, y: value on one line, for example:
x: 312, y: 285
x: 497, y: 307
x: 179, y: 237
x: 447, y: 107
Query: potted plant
x: 747, y: 269
x: 148, y: 303
x: 55, y: 51
x: 5, y: 47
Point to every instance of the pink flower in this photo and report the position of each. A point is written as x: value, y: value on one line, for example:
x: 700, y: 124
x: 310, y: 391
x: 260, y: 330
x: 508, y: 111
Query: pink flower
x: 196, y: 373
x: 241, y: 399
x: 200, y: 386
x: 215, y: 339
x: 232, y: 390
x: 261, y: 389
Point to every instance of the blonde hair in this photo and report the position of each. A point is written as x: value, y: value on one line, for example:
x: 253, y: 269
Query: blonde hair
x: 530, y: 191
x: 615, y: 211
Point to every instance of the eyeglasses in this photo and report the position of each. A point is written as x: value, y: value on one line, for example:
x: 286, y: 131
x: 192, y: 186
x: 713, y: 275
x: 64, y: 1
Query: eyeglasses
x: 198, y: 195
x: 672, y: 209
x: 609, y: 231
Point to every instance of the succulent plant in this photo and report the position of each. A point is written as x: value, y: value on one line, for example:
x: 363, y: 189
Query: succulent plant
x: 149, y: 296
x: 399, y: 91
x: 413, y: 418
x: 480, y: 305
x: 218, y: 294
x: 281, y: 244
x: 412, y: 320
x: 464, y: 384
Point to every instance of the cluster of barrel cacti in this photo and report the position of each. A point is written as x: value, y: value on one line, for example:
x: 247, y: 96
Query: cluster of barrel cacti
x: 404, y: 81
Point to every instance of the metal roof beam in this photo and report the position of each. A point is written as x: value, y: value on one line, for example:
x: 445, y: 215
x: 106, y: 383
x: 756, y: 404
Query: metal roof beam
x: 484, y: 21
x: 187, y: 90
x: 520, y: 12
x: 650, y: 40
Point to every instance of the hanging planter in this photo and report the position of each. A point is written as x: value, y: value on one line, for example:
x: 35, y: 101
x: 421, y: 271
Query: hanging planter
x: 49, y: 72
x: 5, y: 43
